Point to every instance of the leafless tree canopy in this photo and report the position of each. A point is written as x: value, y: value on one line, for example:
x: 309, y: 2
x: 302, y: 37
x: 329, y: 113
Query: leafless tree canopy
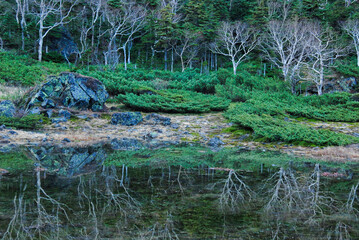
x: 235, y: 40
x: 286, y: 45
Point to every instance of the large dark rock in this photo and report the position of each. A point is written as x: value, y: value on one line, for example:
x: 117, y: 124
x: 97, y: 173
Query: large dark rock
x: 7, y: 109
x: 155, y: 119
x: 337, y: 85
x: 126, y: 118
x: 69, y: 90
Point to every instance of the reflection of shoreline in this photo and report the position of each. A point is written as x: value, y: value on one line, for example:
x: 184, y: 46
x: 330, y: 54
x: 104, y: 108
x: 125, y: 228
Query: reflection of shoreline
x: 165, y: 201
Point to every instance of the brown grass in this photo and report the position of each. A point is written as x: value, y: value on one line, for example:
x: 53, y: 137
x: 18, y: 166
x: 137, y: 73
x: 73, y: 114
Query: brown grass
x: 12, y: 92
x: 337, y: 154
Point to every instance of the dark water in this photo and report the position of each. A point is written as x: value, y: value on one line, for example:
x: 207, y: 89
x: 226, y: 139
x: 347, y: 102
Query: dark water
x: 172, y: 193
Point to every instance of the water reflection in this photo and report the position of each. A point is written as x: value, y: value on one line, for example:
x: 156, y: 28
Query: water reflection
x: 71, y: 194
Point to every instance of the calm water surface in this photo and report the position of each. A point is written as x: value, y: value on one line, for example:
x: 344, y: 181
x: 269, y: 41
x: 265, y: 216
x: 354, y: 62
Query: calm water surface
x: 96, y: 193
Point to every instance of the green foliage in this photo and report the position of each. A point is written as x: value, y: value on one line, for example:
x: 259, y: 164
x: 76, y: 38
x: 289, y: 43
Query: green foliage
x: 194, y: 156
x: 277, y: 129
x: 22, y: 70
x: 15, y: 161
x: 29, y: 122
x: 175, y: 101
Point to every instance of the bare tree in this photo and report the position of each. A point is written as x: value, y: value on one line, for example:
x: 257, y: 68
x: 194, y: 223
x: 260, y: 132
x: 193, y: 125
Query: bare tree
x: 286, y: 44
x: 235, y: 40
x: 187, y: 48
x: 323, y: 50
x: 22, y: 8
x: 349, y: 2
x: 352, y: 28
x: 54, y: 9
x: 124, y: 24
x: 88, y: 24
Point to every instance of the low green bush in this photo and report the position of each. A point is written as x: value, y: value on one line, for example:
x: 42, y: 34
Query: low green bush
x: 275, y: 129
x: 29, y: 122
x: 174, y: 101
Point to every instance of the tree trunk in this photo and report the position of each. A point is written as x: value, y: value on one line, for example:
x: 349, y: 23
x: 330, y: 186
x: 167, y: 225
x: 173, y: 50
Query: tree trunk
x: 172, y: 60
x: 41, y: 41
x: 166, y: 59
x: 234, y: 67
x: 182, y: 63
x: 124, y: 56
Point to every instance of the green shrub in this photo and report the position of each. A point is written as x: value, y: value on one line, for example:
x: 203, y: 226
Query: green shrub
x: 27, y: 122
x: 174, y: 101
x: 276, y: 129
x: 22, y: 70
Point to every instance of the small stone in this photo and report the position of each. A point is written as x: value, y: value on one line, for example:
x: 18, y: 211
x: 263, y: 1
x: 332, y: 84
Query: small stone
x: 49, y: 113
x: 44, y: 139
x: 59, y: 119
x: 155, y: 118
x: 2, y: 127
x: 152, y: 135
x: 174, y: 126
x: 35, y: 111
x: 84, y: 117
x: 57, y: 125
x: 13, y: 132
x: 215, y: 142
x: 65, y: 114
x: 66, y: 140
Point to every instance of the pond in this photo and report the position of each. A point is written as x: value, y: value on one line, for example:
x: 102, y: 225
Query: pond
x: 173, y: 192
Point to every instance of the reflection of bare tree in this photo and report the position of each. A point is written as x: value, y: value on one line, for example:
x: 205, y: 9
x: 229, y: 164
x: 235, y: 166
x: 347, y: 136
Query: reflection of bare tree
x: 28, y: 223
x: 300, y: 197
x: 352, y: 198
x: 106, y: 194
x: 161, y: 231
x: 341, y: 232
x: 234, y: 193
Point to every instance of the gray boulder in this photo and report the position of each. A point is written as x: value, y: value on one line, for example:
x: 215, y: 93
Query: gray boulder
x: 69, y: 90
x: 126, y: 118
x: 7, y: 109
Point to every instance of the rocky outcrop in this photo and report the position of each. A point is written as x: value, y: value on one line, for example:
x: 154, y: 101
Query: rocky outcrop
x: 7, y: 109
x: 69, y: 90
x: 126, y: 118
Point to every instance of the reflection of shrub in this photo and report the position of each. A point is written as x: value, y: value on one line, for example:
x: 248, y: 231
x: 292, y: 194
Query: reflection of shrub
x: 175, y: 101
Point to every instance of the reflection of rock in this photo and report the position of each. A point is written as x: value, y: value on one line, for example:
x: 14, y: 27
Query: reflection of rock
x: 126, y: 144
x: 126, y: 118
x: 69, y: 161
x: 155, y: 118
x: 69, y: 90
x: 215, y: 142
x: 7, y: 109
